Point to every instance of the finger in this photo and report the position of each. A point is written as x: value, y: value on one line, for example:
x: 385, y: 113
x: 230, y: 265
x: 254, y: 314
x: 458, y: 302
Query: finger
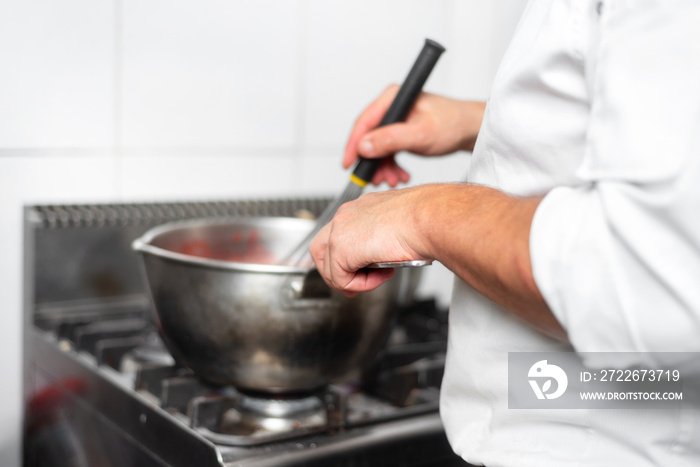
x: 392, y: 179
x: 404, y: 176
x: 350, y: 281
x: 381, y: 174
x: 401, y: 175
x: 391, y: 173
x: 368, y: 119
x: 337, y: 271
x: 317, y: 248
x: 397, y: 173
x: 390, y: 139
x: 339, y: 276
x: 378, y: 177
x: 327, y: 259
x: 368, y: 279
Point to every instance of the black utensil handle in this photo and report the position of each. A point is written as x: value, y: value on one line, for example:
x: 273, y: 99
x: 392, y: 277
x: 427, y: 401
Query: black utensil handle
x: 397, y: 112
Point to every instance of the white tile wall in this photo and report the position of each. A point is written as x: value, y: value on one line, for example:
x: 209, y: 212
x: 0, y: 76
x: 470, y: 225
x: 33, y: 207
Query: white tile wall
x: 178, y: 99
x: 472, y: 71
x: 57, y: 74
x: 210, y: 73
x: 321, y: 170
x: 206, y: 173
x: 355, y: 49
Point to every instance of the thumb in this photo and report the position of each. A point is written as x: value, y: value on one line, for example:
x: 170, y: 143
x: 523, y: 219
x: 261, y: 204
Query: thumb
x: 391, y: 139
x: 368, y: 279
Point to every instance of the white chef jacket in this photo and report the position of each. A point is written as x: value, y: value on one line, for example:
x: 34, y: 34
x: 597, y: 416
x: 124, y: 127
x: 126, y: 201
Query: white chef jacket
x: 597, y: 104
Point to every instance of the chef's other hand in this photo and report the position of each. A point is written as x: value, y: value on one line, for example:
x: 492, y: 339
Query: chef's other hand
x: 436, y: 125
x: 375, y: 227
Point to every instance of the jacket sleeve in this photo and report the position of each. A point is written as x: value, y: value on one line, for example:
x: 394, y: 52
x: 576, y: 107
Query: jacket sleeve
x: 617, y: 257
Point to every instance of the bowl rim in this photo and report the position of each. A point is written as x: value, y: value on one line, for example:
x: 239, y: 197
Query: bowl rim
x: 143, y: 245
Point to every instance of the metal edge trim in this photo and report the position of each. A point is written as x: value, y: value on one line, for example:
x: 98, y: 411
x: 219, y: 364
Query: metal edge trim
x: 142, y: 245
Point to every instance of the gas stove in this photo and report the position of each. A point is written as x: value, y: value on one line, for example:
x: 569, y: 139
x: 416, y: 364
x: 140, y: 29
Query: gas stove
x: 102, y: 390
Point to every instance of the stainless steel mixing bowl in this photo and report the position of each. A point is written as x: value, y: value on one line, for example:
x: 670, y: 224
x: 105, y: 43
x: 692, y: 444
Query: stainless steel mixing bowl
x: 248, y: 324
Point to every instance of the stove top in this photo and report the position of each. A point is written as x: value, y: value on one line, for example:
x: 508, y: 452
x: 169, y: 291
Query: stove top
x: 102, y: 389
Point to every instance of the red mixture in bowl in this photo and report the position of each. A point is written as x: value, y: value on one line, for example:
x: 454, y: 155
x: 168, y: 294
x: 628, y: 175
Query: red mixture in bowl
x: 242, y: 249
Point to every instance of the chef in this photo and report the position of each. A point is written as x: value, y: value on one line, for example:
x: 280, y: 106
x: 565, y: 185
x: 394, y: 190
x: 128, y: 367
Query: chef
x: 577, y: 231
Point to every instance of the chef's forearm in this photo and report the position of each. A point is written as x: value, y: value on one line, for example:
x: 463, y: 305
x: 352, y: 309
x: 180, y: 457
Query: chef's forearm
x: 482, y: 235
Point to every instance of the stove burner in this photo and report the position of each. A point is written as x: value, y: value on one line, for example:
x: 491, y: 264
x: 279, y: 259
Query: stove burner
x: 276, y: 406
x: 255, y: 416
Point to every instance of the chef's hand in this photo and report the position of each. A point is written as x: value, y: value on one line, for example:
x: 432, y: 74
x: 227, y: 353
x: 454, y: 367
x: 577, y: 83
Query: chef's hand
x: 375, y: 227
x: 436, y: 125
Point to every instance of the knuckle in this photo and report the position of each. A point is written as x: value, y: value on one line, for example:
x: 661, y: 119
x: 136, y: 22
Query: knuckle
x: 314, y: 249
x: 342, y: 208
x: 368, y: 197
x: 344, y: 212
x: 421, y: 136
